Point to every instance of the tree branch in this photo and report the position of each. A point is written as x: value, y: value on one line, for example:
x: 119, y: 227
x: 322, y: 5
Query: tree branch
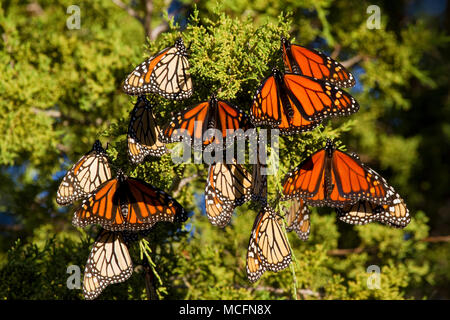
x: 344, y: 252
x: 352, y: 61
x: 182, y: 183
x: 129, y: 10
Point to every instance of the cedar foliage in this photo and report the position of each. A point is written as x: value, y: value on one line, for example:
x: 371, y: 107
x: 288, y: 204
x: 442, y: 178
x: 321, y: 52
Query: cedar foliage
x: 61, y: 89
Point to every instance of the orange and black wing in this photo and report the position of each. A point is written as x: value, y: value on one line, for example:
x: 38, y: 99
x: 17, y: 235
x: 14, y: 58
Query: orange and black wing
x: 355, y: 181
x: 147, y: 205
x: 228, y: 186
x: 143, y: 133
x: 312, y: 63
x: 307, y: 180
x: 109, y: 262
x: 231, y: 122
x: 101, y: 207
x: 297, y: 219
x: 188, y: 125
x: 317, y: 100
x: 85, y: 176
x: 268, y: 246
x: 268, y: 109
x: 219, y: 212
x: 193, y: 124
x: 395, y: 214
x: 166, y: 74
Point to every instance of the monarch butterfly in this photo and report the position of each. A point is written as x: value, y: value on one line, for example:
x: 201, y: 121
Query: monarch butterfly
x: 295, y: 103
x: 395, y: 214
x: 297, y: 219
x: 312, y: 63
x: 109, y: 262
x: 166, y: 73
x: 90, y: 171
x: 334, y: 178
x: 143, y: 133
x: 268, y: 248
x: 124, y: 203
x: 228, y: 186
x: 213, y: 114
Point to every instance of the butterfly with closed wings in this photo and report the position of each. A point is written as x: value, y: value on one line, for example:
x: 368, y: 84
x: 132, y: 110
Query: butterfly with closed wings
x: 268, y: 247
x: 109, y: 262
x: 143, y: 133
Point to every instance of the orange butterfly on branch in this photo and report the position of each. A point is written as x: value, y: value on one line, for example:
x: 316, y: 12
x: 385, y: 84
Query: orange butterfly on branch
x: 300, y: 60
x: 330, y: 177
x: 206, y: 123
x: 166, y: 74
x: 296, y: 103
x: 124, y: 203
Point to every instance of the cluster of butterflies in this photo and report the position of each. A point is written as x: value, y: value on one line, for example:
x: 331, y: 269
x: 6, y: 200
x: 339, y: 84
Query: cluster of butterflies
x: 293, y: 101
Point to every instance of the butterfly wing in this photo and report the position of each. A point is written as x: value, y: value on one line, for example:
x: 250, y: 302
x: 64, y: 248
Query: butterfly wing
x: 85, y: 176
x: 267, y: 109
x: 312, y: 63
x: 259, y: 187
x: 307, y: 180
x: 190, y: 123
x: 101, y: 207
x: 109, y: 262
x: 228, y: 186
x: 147, y: 205
x: 297, y: 219
x: 317, y: 100
x: 268, y: 247
x: 356, y: 181
x: 395, y: 214
x: 232, y: 122
x: 360, y: 213
x: 143, y: 133
x: 166, y: 74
